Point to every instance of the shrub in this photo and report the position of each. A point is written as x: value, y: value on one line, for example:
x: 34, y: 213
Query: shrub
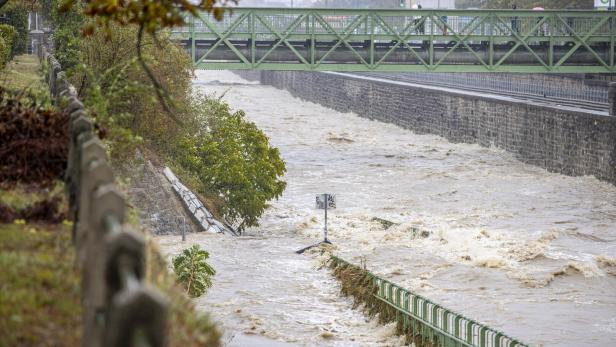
x: 193, y: 271
x: 33, y: 142
x: 4, y: 52
x: 7, y: 33
x: 18, y: 19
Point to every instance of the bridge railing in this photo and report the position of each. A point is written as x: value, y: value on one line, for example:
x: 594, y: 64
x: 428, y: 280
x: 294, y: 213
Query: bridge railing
x: 403, y: 40
x: 119, y: 309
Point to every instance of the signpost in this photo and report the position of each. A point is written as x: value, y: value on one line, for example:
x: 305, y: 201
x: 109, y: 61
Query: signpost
x: 323, y: 202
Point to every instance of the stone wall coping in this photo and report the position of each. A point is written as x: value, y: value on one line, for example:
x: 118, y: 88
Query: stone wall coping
x: 199, y: 212
x: 478, y: 95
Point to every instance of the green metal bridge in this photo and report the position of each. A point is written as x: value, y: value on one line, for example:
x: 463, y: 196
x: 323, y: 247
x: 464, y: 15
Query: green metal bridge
x: 403, y: 40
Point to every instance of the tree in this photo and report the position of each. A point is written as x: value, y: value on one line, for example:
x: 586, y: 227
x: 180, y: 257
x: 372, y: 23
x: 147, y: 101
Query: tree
x: 149, y: 16
x: 193, y: 271
x: 234, y: 161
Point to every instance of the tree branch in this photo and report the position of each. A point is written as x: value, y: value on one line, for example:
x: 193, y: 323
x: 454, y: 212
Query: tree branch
x: 161, y: 93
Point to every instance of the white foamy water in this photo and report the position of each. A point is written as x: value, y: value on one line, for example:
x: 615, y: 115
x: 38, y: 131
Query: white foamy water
x: 528, y: 252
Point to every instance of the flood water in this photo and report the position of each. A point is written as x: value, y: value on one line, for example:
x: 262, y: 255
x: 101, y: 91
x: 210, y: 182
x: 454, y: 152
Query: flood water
x: 525, y: 251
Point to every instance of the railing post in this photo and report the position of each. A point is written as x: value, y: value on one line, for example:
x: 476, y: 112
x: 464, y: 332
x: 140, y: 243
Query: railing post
x: 54, y: 70
x: 611, y: 96
x: 79, y: 127
x: 94, y: 171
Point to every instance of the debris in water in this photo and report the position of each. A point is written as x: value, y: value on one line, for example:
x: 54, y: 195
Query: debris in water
x: 418, y: 232
x: 384, y: 222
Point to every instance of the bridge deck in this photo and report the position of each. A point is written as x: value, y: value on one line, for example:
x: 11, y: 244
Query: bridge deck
x: 403, y: 40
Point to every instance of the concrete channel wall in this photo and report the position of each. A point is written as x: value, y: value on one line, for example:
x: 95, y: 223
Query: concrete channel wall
x: 567, y: 141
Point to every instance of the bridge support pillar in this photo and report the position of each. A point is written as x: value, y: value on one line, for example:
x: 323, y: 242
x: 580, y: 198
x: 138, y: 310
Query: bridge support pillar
x: 612, y: 98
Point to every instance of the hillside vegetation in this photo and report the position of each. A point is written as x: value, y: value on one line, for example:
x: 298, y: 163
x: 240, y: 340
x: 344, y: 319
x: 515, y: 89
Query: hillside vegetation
x: 213, y: 148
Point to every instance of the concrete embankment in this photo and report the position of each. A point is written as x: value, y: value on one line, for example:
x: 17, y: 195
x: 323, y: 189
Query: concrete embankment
x: 566, y: 140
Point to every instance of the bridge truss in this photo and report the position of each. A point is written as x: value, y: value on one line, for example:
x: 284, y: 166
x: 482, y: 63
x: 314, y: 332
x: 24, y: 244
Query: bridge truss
x: 403, y: 40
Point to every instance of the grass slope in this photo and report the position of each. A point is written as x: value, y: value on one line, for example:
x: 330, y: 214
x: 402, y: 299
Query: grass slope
x: 23, y: 73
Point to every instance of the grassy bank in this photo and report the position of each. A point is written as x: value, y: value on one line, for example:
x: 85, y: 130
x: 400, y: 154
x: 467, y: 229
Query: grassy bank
x: 40, y: 285
x: 39, y: 282
x: 24, y: 73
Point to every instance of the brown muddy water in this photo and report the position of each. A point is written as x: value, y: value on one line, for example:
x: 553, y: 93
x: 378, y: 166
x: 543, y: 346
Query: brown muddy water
x: 525, y: 251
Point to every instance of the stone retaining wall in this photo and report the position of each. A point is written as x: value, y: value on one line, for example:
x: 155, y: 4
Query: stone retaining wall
x: 558, y: 139
x: 159, y: 210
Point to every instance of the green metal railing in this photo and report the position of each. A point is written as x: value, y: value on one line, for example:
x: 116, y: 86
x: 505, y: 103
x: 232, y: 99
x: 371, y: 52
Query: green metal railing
x: 436, y: 325
x: 403, y: 40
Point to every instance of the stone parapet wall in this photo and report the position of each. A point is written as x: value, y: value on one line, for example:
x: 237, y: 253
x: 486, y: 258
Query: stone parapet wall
x: 558, y: 139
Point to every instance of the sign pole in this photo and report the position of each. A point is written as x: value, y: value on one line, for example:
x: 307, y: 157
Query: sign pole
x: 326, y: 203
x: 323, y: 201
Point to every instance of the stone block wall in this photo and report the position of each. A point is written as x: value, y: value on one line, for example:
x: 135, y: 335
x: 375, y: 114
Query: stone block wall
x: 557, y: 139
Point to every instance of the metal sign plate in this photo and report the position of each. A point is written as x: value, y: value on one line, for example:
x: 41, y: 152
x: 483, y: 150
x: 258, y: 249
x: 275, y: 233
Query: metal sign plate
x: 322, y: 198
x: 603, y: 3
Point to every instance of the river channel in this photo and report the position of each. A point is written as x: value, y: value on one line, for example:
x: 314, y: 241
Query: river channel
x: 525, y: 251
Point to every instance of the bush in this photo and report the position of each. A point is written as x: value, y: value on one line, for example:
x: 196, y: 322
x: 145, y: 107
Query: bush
x: 7, y: 34
x: 18, y: 19
x: 33, y: 142
x: 4, y: 53
x: 193, y: 271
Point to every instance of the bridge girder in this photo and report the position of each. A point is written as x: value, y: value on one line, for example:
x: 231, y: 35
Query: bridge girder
x: 403, y: 40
